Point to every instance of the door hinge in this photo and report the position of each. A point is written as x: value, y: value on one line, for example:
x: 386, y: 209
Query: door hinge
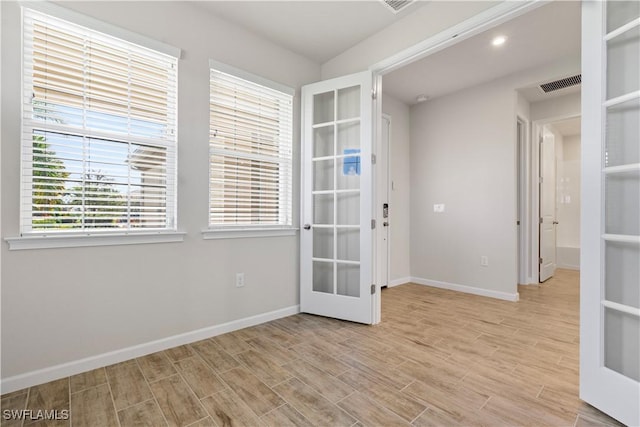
x: 540, y: 261
x: 541, y: 220
x: 541, y: 139
x: 373, y: 224
x: 518, y: 222
x: 373, y: 289
x: 373, y: 159
x: 374, y: 94
x: 540, y: 180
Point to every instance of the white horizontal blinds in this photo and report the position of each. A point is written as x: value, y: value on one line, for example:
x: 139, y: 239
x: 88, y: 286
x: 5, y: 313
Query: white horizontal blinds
x: 250, y: 140
x: 99, y: 131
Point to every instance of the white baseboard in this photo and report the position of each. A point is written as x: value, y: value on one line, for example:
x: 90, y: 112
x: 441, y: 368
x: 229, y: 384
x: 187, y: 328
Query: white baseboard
x: 398, y: 282
x: 568, y: 267
x: 41, y: 376
x: 466, y: 289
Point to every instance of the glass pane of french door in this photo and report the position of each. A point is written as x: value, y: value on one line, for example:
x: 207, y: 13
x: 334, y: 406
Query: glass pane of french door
x: 621, y: 179
x: 336, y: 192
x: 622, y: 343
x: 622, y: 127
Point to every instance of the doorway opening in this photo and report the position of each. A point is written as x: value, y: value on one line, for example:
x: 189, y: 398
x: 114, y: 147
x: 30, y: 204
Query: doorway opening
x: 473, y: 198
x: 559, y: 195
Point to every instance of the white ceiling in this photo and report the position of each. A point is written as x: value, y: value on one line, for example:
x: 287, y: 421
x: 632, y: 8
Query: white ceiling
x: 534, y: 93
x: 542, y: 36
x: 318, y: 30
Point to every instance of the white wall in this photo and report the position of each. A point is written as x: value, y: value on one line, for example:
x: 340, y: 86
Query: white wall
x: 557, y: 141
x: 555, y: 108
x: 61, y: 305
x: 523, y: 107
x: 568, y: 208
x: 401, y: 191
x: 463, y: 155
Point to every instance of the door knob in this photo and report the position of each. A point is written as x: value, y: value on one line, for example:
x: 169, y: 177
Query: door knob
x: 386, y: 223
x: 555, y: 223
x: 307, y: 227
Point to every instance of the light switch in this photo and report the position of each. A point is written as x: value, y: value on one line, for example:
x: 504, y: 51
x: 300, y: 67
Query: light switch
x: 439, y: 208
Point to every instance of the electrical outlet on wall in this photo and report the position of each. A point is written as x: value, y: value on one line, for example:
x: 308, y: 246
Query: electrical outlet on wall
x: 484, y: 261
x: 239, y: 280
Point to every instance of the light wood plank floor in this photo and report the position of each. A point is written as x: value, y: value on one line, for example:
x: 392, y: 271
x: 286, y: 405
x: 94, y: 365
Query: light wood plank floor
x: 438, y: 358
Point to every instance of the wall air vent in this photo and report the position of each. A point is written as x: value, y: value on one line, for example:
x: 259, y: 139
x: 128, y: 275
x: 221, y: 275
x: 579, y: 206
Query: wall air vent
x: 397, y: 5
x: 562, y: 83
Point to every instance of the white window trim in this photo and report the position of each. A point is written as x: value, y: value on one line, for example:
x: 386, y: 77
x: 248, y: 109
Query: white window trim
x: 97, y: 238
x: 244, y: 233
x: 257, y: 231
x: 228, y: 69
x: 101, y: 26
x: 94, y: 239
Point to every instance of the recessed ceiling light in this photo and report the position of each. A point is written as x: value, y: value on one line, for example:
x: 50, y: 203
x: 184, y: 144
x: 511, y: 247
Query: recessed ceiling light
x: 421, y: 98
x: 498, y: 41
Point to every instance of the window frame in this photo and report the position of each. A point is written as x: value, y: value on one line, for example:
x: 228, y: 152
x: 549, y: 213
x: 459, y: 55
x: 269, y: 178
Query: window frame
x: 36, y: 239
x: 222, y: 231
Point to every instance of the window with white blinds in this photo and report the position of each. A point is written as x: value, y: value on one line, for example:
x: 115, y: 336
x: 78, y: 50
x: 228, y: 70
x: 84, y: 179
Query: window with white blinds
x: 250, y: 139
x: 98, y: 131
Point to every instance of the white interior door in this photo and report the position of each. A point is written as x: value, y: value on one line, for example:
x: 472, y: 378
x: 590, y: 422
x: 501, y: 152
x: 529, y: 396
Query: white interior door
x: 547, y: 205
x: 336, y: 237
x: 610, y: 229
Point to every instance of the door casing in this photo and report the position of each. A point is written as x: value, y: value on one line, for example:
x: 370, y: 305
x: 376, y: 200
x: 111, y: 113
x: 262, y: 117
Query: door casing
x: 382, y: 188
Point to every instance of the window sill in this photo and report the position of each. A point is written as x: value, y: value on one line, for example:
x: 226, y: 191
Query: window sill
x: 244, y: 233
x: 77, y: 241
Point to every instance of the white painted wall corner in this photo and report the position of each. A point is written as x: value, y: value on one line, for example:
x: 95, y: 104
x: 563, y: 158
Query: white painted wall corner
x: 398, y: 282
x: 466, y: 289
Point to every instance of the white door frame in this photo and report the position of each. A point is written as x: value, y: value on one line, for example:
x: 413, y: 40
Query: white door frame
x: 379, y: 198
x: 377, y: 137
x: 524, y: 178
x: 502, y: 12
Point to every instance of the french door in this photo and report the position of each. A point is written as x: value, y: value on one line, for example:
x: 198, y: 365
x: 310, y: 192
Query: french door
x: 610, y: 259
x: 336, y: 236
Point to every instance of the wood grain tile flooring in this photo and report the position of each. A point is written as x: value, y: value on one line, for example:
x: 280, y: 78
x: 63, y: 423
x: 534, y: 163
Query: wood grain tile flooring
x: 439, y: 358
